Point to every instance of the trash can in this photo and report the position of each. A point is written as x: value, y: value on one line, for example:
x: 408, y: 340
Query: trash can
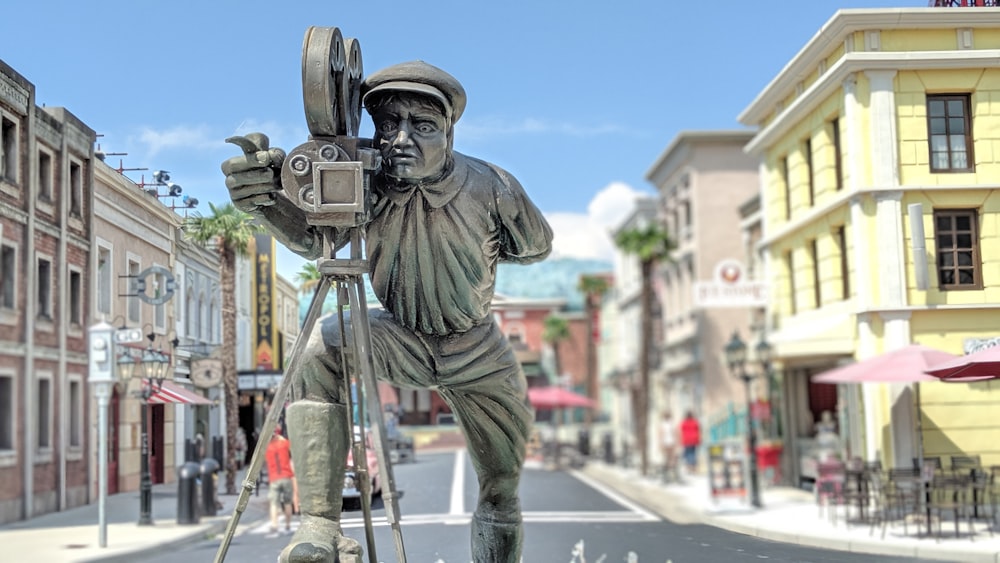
x: 208, y: 468
x: 187, y: 493
x: 609, y: 448
x: 583, y: 442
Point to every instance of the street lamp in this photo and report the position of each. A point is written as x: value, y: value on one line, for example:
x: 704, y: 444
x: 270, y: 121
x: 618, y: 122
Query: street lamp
x: 736, y: 356
x: 151, y: 366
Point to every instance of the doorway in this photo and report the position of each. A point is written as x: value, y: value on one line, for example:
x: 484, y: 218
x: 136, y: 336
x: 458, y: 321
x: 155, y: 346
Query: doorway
x: 156, y: 450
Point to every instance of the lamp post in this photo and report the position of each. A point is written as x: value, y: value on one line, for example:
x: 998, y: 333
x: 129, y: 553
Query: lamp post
x: 102, y: 377
x: 150, y: 366
x: 736, y: 357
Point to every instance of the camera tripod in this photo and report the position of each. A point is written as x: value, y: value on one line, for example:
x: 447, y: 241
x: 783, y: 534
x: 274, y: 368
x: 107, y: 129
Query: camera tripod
x: 347, y: 276
x: 327, y: 178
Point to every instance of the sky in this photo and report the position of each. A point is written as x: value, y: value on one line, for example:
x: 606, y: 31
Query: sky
x: 577, y: 99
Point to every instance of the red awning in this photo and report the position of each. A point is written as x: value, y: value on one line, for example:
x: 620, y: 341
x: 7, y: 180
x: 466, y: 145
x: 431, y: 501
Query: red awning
x: 174, y: 393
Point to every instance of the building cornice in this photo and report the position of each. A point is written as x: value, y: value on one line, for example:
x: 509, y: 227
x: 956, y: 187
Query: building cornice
x: 860, y: 62
x: 668, y: 160
x: 896, y: 192
x: 846, y: 22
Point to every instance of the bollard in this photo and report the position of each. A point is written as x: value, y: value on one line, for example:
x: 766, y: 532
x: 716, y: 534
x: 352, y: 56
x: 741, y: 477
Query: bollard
x: 583, y: 442
x: 208, y: 469
x: 217, y: 451
x: 187, y: 493
x: 190, y: 451
x: 609, y: 448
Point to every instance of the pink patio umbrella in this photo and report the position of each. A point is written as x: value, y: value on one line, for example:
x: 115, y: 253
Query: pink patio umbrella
x: 903, y: 365
x: 978, y: 366
x: 557, y: 398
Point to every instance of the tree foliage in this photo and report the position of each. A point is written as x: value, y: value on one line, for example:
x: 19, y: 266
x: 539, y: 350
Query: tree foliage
x: 229, y: 231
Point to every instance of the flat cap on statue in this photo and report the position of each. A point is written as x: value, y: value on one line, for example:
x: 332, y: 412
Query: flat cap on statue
x: 420, y: 77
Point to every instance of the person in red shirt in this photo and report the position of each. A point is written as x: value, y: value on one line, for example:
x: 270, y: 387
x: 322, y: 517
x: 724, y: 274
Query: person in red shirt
x: 690, y: 439
x: 281, y: 480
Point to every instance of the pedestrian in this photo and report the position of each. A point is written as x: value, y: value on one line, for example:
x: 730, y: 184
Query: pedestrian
x: 440, y: 223
x: 241, y: 446
x: 690, y: 440
x: 668, y: 445
x: 281, y: 491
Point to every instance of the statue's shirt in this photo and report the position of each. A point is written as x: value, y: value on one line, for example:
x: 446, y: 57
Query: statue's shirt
x: 433, y: 249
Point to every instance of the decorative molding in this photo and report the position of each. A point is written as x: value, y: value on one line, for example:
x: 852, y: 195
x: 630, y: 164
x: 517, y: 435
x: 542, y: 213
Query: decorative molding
x: 820, y: 90
x: 14, y: 94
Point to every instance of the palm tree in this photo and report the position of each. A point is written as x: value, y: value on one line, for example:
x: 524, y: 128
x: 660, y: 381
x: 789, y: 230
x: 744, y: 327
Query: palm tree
x: 230, y: 231
x: 593, y: 288
x: 650, y: 244
x: 554, y: 331
x: 308, y: 277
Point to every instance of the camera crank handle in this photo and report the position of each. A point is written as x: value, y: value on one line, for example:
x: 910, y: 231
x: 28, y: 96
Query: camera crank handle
x: 252, y: 145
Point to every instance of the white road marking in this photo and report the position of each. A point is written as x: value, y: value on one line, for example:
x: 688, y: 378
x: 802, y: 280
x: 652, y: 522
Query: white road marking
x: 458, y: 484
x: 611, y: 494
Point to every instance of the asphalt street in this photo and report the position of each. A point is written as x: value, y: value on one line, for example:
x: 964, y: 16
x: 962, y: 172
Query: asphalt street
x: 567, y: 518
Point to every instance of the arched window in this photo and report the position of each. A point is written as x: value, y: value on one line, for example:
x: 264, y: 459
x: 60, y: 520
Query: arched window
x: 213, y: 322
x: 190, y: 314
x: 202, y: 318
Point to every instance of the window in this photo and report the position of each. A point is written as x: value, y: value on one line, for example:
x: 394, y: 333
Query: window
x: 75, y: 188
x: 43, y: 404
x: 190, y: 324
x: 75, y: 305
x: 104, y: 280
x: 790, y: 265
x: 957, y: 237
x: 76, y: 423
x: 8, y: 276
x: 845, y: 278
x: 44, y: 176
x: 814, y: 256
x: 787, y: 185
x: 807, y: 150
x: 686, y: 207
x: 44, y: 289
x: 8, y: 150
x: 133, y: 300
x: 949, y: 130
x: 838, y: 157
x: 6, y: 412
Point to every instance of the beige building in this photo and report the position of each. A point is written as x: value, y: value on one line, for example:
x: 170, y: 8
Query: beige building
x: 701, y: 177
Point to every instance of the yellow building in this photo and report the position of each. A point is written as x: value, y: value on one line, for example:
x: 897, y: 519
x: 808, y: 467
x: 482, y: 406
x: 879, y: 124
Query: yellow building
x: 880, y: 150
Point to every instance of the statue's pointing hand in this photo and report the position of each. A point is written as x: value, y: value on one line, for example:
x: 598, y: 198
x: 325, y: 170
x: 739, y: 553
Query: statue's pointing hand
x: 253, y: 179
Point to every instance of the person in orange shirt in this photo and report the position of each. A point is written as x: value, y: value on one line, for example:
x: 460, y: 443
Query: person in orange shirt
x: 281, y: 480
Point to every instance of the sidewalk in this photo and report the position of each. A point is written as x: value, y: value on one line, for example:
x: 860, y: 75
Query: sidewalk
x: 788, y: 515
x: 72, y: 536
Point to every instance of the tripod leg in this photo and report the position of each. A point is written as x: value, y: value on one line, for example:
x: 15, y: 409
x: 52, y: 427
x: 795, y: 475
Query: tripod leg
x: 250, y: 482
x: 362, y: 336
x: 358, y: 446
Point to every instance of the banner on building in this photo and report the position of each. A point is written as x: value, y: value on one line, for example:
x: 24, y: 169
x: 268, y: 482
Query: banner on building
x: 730, y: 288
x: 265, y: 335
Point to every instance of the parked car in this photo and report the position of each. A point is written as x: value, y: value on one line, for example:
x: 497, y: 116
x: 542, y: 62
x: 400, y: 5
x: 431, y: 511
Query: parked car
x: 352, y: 488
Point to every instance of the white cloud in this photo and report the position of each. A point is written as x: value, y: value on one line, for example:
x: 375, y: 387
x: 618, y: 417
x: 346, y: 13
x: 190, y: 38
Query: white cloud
x: 181, y: 136
x: 577, y: 235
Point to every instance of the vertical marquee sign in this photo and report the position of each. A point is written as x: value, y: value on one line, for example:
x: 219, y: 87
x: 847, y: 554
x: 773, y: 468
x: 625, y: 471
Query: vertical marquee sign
x: 265, y: 332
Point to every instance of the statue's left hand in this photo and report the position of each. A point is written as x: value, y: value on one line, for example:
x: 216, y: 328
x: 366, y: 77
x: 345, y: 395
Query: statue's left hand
x: 254, y: 179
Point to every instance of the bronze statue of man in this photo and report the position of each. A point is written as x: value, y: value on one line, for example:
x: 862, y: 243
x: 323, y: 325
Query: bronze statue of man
x: 440, y: 223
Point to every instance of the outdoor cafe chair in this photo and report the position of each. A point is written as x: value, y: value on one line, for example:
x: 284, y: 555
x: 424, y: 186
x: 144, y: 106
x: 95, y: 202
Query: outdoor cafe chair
x: 830, y: 477
x: 961, y: 462
x: 905, y: 497
x: 951, y: 497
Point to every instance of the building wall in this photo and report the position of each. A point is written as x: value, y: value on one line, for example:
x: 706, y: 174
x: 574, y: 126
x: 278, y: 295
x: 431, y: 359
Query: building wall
x: 45, y: 192
x: 883, y: 131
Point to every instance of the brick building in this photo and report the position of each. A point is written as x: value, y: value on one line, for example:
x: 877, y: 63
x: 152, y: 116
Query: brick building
x: 46, y: 195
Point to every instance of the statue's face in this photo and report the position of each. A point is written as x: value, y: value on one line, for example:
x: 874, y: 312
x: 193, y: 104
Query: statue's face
x: 412, y: 134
